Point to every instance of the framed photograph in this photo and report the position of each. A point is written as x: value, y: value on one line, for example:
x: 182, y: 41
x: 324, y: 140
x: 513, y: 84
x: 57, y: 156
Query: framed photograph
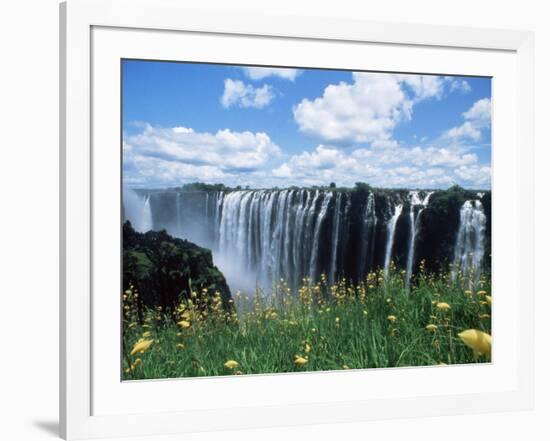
x: 300, y: 219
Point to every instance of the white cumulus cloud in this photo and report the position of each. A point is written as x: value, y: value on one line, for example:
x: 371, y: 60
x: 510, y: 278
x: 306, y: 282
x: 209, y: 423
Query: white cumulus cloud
x: 479, y: 112
x: 459, y: 84
x: 477, y: 118
x: 237, y: 93
x: 367, y: 109
x: 259, y: 73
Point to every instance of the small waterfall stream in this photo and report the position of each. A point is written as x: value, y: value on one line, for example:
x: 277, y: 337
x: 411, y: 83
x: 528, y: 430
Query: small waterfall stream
x: 368, y: 228
x: 313, y: 269
x: 391, y: 234
x: 470, y: 242
x: 414, y: 200
x: 335, y: 238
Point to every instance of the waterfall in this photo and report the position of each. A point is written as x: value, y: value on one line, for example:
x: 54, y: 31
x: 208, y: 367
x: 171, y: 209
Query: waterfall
x: 278, y: 236
x: 390, y: 235
x: 367, y: 232
x: 272, y: 235
x: 414, y: 200
x: 260, y: 237
x: 137, y: 209
x: 313, y: 270
x: 307, y: 238
x: 287, y: 262
x: 335, y: 239
x: 147, y: 222
x: 297, y: 242
x: 217, y: 219
x: 470, y: 242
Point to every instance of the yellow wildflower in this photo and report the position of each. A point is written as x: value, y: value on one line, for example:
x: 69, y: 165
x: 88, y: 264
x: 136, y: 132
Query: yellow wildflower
x: 484, y: 316
x: 146, y: 334
x: 478, y: 341
x: 307, y: 348
x: 299, y: 360
x: 135, y: 364
x: 180, y: 346
x: 141, y: 346
x: 184, y: 324
x: 482, y: 293
x: 431, y: 327
x: 489, y: 300
x: 392, y: 318
x: 468, y: 292
x: 442, y: 306
x: 231, y: 364
x: 345, y: 366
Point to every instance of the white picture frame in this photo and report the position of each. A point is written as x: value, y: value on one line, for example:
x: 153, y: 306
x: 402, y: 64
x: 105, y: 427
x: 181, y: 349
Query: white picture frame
x: 81, y: 395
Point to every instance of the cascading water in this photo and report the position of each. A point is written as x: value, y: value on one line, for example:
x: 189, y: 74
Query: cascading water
x: 414, y: 200
x: 470, y: 242
x: 335, y: 238
x: 258, y: 237
x: 313, y: 270
x: 137, y: 209
x: 390, y: 236
x: 368, y: 226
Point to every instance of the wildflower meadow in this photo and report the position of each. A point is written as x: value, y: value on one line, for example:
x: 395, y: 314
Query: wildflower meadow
x: 381, y: 322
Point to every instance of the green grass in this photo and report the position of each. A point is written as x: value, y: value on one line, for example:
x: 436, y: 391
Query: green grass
x: 333, y: 328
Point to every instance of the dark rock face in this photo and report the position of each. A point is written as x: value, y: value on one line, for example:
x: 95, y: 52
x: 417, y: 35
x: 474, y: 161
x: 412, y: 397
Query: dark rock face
x: 166, y: 270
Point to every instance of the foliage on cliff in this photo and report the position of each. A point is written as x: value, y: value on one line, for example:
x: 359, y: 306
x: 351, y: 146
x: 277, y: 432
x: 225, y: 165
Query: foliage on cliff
x: 166, y: 270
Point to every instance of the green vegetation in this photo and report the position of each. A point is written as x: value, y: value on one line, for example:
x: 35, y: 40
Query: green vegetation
x: 166, y: 270
x: 374, y: 324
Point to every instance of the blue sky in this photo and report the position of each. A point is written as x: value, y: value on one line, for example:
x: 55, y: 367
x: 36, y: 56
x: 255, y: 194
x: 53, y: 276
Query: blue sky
x: 266, y: 127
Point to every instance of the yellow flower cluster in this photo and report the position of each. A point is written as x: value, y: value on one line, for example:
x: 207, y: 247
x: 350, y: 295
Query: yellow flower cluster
x: 141, y: 346
x: 478, y: 341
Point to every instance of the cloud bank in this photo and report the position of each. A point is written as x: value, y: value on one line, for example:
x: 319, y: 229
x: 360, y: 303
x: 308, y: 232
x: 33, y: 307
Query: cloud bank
x: 171, y: 156
x: 393, y: 166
